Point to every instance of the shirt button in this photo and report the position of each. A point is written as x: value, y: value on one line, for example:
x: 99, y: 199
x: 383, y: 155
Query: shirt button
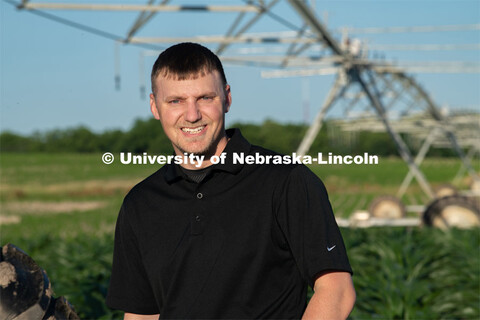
x: 199, y: 195
x: 198, y: 218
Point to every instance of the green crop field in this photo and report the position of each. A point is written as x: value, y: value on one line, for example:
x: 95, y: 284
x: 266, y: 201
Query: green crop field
x: 61, y: 209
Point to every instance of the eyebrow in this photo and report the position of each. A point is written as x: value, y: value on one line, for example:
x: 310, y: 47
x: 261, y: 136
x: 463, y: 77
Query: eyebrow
x: 179, y: 97
x: 169, y: 98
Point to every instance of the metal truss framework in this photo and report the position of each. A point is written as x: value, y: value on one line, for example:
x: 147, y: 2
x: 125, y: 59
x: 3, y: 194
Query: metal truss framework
x: 427, y: 133
x: 383, y: 87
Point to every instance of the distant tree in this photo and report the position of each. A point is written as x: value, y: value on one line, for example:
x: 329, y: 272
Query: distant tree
x: 78, y: 139
x: 11, y: 142
x: 323, y: 143
x: 81, y: 139
x: 146, y: 135
x: 378, y: 143
x: 279, y: 137
x: 111, y: 140
x: 249, y: 131
x: 282, y: 138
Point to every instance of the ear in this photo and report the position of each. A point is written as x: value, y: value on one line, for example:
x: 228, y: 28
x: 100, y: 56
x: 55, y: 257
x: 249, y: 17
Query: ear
x: 153, y: 107
x: 228, y: 98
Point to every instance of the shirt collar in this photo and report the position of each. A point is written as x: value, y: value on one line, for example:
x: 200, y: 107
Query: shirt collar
x: 236, y: 144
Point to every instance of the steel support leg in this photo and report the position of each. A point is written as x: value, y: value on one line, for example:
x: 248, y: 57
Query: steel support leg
x: 437, y: 116
x: 402, y: 147
x: 337, y: 90
x: 471, y: 153
x: 418, y: 161
x: 465, y: 160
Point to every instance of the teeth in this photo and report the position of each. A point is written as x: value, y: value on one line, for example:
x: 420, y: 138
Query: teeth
x: 193, y: 130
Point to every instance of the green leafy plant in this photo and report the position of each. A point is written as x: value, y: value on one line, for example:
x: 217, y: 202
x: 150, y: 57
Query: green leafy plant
x: 403, y: 273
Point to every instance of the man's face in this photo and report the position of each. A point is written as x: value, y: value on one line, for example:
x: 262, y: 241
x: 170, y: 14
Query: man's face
x: 192, y: 112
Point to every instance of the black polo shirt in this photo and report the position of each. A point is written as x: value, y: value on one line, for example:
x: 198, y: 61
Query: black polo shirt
x: 243, y: 243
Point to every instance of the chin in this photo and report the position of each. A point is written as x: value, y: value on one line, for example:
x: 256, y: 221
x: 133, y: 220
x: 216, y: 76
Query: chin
x: 195, y: 151
x: 202, y: 146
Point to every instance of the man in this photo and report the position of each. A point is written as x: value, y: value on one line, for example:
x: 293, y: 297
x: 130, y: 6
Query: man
x: 223, y: 240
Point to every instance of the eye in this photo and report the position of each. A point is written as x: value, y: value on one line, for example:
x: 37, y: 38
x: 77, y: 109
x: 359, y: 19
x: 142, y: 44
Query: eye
x: 174, y: 101
x: 207, y: 98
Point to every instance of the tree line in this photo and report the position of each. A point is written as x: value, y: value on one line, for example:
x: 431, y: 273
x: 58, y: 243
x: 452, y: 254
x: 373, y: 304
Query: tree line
x: 146, y: 135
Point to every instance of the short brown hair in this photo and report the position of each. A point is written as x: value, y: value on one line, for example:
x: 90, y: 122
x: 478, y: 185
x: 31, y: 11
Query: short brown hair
x: 186, y: 60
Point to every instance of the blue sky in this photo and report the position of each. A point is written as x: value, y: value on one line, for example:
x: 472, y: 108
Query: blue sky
x: 54, y: 76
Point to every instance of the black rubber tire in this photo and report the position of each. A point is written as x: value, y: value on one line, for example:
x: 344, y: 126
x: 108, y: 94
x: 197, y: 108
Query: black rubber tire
x: 25, y: 291
x: 452, y: 211
x: 387, y: 207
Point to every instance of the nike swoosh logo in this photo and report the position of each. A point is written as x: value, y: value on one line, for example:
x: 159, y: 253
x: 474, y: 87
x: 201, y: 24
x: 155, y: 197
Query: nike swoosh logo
x: 331, y: 248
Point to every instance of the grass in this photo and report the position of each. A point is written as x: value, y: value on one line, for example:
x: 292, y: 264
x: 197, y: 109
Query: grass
x: 399, y: 272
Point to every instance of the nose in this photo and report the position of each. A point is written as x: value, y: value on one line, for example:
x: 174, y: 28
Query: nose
x: 192, y: 113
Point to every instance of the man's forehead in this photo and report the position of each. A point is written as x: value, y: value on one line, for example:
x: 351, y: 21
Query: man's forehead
x: 179, y: 76
x: 200, y: 84
x: 209, y: 82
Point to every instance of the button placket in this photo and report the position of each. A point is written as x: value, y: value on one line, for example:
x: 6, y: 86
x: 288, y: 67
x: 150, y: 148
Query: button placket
x: 197, y: 224
x: 198, y: 219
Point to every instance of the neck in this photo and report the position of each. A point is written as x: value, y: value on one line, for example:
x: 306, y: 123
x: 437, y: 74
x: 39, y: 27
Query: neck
x: 197, y: 162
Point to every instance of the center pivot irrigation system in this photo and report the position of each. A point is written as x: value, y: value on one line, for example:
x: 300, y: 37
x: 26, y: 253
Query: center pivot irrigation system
x: 382, y: 89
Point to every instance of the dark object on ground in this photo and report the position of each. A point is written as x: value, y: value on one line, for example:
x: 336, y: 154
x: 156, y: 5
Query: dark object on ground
x: 25, y: 291
x: 452, y: 211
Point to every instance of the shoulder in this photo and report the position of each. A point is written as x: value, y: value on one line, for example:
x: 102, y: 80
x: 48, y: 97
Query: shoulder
x: 287, y: 170
x: 137, y: 203
x: 289, y: 164
x: 143, y: 189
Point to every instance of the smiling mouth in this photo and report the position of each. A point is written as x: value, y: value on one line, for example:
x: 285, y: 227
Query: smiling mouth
x: 193, y: 130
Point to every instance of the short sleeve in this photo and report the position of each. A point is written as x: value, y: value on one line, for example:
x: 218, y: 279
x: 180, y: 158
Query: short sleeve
x: 129, y: 289
x: 305, y: 216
